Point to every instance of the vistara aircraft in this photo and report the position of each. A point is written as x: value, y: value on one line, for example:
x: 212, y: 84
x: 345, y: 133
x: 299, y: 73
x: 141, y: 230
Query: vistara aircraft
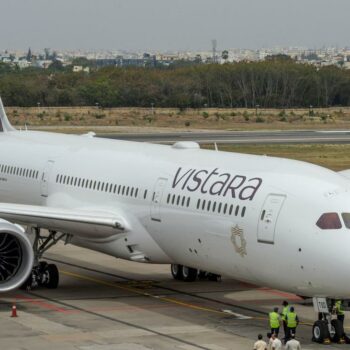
x: 269, y: 221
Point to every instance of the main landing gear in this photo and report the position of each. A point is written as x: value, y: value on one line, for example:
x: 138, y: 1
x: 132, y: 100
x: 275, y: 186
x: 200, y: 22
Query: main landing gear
x: 43, y: 274
x: 327, y: 329
x: 189, y: 274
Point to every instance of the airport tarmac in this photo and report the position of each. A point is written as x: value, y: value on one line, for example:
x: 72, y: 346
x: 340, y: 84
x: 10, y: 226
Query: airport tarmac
x: 104, y: 303
x: 239, y: 137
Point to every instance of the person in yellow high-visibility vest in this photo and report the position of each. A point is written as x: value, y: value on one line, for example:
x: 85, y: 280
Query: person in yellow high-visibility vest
x: 292, y: 322
x: 284, y: 312
x: 339, y: 309
x: 274, y: 319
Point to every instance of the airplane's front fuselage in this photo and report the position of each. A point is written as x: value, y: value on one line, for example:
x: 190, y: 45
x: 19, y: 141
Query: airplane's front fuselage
x: 250, y: 217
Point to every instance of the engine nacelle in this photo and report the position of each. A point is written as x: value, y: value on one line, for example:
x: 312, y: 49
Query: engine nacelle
x: 16, y: 256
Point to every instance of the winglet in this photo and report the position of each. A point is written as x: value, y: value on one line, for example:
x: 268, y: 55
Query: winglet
x: 5, y: 125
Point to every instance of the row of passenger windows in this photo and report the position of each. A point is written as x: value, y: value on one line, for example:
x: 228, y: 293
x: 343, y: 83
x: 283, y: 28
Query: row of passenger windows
x: 99, y: 185
x: 25, y: 172
x: 206, y: 205
x: 220, y: 207
x: 178, y: 200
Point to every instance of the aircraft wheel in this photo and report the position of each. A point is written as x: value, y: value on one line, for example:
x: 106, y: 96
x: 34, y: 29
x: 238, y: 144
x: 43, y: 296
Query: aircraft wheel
x: 337, y: 331
x: 202, y: 275
x: 53, y: 276
x: 176, y: 271
x: 189, y: 274
x: 320, y: 331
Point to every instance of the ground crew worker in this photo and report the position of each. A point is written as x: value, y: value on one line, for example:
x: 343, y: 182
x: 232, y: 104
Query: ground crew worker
x: 283, y: 317
x: 274, y: 319
x: 292, y: 322
x: 339, y: 309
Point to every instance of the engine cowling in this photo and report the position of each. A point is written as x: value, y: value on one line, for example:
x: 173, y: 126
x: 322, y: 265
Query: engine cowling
x: 16, y: 256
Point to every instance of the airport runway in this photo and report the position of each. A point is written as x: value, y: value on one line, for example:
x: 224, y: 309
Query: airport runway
x: 105, y: 303
x: 240, y: 137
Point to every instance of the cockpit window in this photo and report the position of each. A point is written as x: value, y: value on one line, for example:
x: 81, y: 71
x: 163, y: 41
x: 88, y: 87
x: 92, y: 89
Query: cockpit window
x: 329, y: 221
x: 346, y: 218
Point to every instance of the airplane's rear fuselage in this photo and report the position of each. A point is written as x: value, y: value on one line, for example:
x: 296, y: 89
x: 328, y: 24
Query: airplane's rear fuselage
x: 249, y: 217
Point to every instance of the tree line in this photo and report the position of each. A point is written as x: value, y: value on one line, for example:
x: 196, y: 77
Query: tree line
x: 269, y: 84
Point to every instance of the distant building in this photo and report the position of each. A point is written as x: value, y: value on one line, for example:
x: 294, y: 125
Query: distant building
x: 77, y: 69
x: 42, y: 64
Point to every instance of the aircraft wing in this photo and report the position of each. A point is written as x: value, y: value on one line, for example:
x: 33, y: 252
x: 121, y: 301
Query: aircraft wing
x: 84, y: 223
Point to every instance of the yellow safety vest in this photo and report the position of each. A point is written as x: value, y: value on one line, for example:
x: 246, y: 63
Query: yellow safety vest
x: 339, y: 307
x: 274, y: 319
x: 285, y: 312
x: 291, y: 319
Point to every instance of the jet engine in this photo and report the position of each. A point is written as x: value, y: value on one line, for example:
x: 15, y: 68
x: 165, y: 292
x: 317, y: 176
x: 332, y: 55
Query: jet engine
x: 16, y: 256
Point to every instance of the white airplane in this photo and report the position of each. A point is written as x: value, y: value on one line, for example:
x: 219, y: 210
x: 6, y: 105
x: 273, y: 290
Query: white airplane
x: 269, y: 221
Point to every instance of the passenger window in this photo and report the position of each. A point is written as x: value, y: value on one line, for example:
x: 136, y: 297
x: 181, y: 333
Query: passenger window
x: 102, y: 186
x: 198, y: 203
x: 203, y: 204
x: 237, y: 210
x: 132, y: 192
x: 219, y: 207
x: 209, y: 205
x: 225, y: 208
x: 114, y: 188
x: 168, y: 198
x: 188, y: 201
x: 75, y: 182
x: 173, y: 199
x: 231, y: 208
x: 119, y: 188
x: 136, y: 192
x: 178, y: 200
x: 329, y: 221
x: 263, y: 215
x: 127, y: 191
x: 214, y: 206
x: 243, y: 212
x: 145, y: 195
x: 183, y: 201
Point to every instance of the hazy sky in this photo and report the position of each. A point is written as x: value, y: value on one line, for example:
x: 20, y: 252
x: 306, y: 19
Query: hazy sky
x: 172, y: 25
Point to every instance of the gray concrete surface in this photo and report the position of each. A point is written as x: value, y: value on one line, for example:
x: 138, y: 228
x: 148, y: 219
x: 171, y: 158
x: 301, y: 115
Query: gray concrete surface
x: 239, y: 137
x: 105, y: 303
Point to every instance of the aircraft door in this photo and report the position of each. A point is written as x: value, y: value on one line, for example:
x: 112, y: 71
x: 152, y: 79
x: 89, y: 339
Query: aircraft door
x: 268, y: 218
x: 157, y: 198
x: 46, y: 177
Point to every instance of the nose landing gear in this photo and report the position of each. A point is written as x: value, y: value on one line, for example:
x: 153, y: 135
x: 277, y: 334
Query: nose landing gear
x: 327, y: 329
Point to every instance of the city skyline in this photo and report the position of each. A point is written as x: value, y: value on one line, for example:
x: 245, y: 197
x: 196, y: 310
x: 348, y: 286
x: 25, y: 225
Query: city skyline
x: 167, y: 26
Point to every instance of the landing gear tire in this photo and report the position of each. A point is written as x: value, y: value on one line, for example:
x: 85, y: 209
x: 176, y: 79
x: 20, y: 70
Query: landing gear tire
x: 189, y: 274
x: 176, y: 271
x: 53, y: 276
x: 320, y: 331
x: 337, y: 331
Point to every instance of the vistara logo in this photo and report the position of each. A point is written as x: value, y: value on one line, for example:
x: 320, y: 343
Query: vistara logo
x: 217, y: 183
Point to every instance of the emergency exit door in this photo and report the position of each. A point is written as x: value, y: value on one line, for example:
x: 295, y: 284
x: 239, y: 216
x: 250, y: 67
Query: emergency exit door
x: 45, y: 178
x: 268, y: 218
x: 157, y: 198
